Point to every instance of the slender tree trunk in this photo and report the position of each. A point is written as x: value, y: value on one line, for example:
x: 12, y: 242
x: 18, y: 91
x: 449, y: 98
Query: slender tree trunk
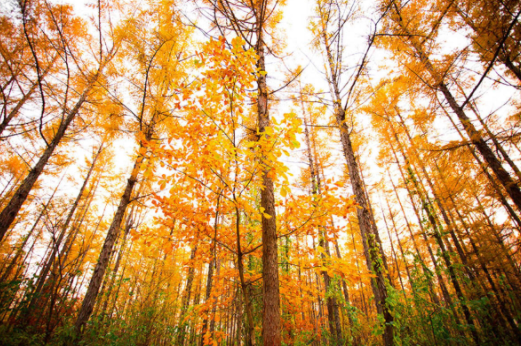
x: 368, y: 230
x: 461, y: 252
x: 399, y: 246
x: 491, y: 179
x: 116, y: 266
x: 42, y: 278
x: 506, y: 252
x: 214, y: 308
x: 362, y: 298
x: 12, y: 209
x: 498, y: 145
x: 497, y: 296
x: 373, y: 252
x: 112, y: 234
x: 25, y: 98
x: 186, y: 297
x: 437, y: 270
x: 245, y: 286
x: 332, y: 306
x: 271, y: 324
x: 6, y: 273
x: 425, y: 270
x: 475, y: 136
x: 211, y: 266
x: 436, y: 228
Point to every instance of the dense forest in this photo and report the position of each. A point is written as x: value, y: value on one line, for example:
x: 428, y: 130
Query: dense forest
x: 172, y: 174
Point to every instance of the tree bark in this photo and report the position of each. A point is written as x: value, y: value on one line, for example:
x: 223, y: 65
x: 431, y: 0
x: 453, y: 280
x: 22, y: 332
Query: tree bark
x: 12, y: 209
x: 474, y: 135
x: 271, y: 324
x: 24, y: 99
x: 372, y: 250
x: 332, y: 305
x: 42, y: 278
x: 101, y: 266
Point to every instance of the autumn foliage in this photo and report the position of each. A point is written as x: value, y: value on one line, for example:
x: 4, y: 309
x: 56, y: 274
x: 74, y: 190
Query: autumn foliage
x: 171, y: 176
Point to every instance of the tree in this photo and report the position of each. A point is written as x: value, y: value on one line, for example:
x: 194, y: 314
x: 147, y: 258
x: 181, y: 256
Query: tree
x: 84, y: 83
x: 329, y: 31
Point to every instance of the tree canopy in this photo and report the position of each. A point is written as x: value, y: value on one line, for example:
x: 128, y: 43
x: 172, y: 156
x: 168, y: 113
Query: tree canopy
x: 172, y: 174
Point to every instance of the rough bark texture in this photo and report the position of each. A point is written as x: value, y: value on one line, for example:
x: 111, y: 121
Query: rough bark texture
x: 9, y: 213
x: 270, y: 271
x: 57, y: 243
x: 270, y: 274
x: 112, y: 234
x: 474, y: 135
x: 375, y: 258
x: 371, y: 249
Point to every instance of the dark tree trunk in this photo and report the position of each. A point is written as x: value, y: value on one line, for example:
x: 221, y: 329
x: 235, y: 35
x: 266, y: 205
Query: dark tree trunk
x: 372, y: 250
x: 24, y: 99
x: 42, y: 278
x: 11, y: 210
x: 270, y: 270
x: 101, y: 266
x: 474, y: 135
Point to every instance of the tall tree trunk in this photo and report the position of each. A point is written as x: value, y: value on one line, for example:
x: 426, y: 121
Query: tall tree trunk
x: 499, y: 192
x: 112, y: 234
x: 116, y: 266
x: 42, y: 278
x: 474, y: 135
x: 245, y: 286
x: 373, y: 252
x: 332, y: 306
x: 494, y: 139
x: 437, y: 234
x: 186, y: 297
x: 451, y: 228
x: 211, y: 266
x: 271, y: 323
x: 19, y: 251
x: 393, y: 251
x: 506, y: 252
x: 12, y: 209
x: 503, y: 311
x: 25, y: 98
x: 425, y: 270
x: 441, y: 281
